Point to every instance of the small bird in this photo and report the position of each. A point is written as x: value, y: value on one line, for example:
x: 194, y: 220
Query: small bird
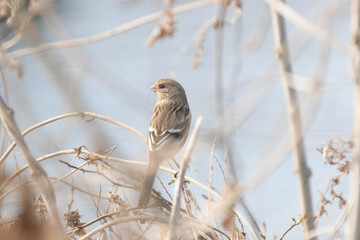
x: 168, y: 131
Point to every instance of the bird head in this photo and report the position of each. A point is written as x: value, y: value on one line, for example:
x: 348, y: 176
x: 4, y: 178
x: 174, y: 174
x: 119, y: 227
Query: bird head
x: 168, y: 89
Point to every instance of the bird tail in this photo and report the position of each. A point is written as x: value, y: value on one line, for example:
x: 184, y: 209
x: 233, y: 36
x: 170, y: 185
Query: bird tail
x: 148, y: 183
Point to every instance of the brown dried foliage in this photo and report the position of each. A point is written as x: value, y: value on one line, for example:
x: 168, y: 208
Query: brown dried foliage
x: 335, y: 153
x: 30, y: 224
x: 165, y: 28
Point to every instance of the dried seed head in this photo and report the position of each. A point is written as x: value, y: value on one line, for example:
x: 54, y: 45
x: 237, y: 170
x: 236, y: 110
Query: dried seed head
x: 114, y: 197
x: 41, y: 209
x: 335, y: 153
x: 72, y: 219
x: 164, y: 28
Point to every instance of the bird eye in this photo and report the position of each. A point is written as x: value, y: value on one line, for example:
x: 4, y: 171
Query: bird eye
x: 161, y: 86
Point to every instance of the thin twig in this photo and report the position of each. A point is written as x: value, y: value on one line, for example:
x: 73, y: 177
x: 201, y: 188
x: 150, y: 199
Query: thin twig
x: 114, y: 222
x: 88, y: 171
x: 74, y: 114
x: 291, y: 227
x: 105, y: 216
x: 211, y: 173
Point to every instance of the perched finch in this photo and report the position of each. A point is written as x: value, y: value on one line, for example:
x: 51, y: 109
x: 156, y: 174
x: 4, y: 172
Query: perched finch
x: 169, y: 128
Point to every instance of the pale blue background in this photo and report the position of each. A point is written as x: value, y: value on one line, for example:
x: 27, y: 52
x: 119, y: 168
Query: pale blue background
x: 113, y: 78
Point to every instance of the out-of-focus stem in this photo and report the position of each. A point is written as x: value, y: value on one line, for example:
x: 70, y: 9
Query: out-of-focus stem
x: 300, y: 167
x: 180, y: 181
x: 37, y: 172
x: 353, y: 230
x: 218, y: 60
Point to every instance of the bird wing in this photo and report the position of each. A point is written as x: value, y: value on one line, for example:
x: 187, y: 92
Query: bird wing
x: 169, y: 123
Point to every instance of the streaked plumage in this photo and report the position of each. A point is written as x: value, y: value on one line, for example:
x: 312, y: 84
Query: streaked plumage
x: 168, y: 131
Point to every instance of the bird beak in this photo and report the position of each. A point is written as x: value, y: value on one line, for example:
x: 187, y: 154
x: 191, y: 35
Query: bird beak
x: 153, y: 88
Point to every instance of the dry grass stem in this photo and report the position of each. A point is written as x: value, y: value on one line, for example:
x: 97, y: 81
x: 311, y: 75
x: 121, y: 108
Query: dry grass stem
x: 218, y: 61
x: 165, y: 27
x: 114, y: 222
x: 200, y: 39
x: 294, y: 224
x: 301, y: 169
x: 353, y: 230
x: 38, y: 174
x: 174, y: 216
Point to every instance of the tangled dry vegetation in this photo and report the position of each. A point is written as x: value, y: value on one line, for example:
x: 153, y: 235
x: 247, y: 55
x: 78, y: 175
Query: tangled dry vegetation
x: 196, y: 209
x: 34, y: 220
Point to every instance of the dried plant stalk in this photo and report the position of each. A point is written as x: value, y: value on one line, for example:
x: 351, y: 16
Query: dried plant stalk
x: 165, y: 28
x: 200, y: 43
x: 353, y: 230
x: 218, y: 60
x: 300, y: 167
x: 180, y: 180
x: 38, y: 174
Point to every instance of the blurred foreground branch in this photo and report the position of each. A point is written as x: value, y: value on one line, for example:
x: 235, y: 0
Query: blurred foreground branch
x: 180, y: 180
x: 353, y: 230
x: 37, y: 172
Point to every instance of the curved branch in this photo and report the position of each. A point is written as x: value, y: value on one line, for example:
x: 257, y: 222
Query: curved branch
x: 106, y: 34
x: 74, y: 114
